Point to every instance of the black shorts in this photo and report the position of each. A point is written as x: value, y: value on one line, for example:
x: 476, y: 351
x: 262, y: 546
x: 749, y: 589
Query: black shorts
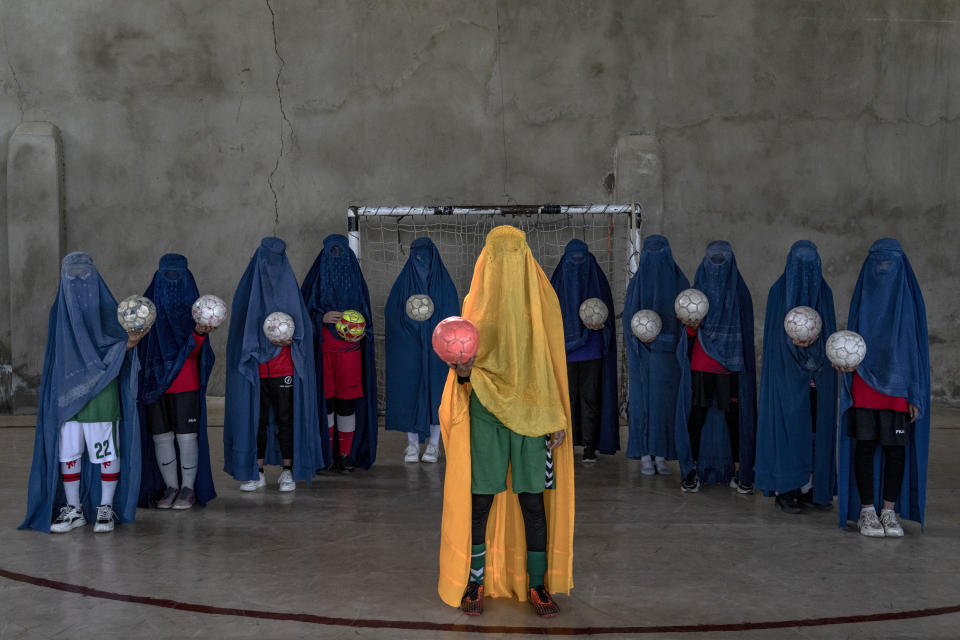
x: 888, y: 427
x: 724, y: 387
x: 177, y: 412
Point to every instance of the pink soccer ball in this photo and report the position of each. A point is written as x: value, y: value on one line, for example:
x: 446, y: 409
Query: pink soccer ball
x: 455, y: 340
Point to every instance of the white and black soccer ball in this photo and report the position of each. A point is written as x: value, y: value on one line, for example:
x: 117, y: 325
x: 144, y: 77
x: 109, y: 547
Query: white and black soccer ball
x: 278, y: 327
x: 846, y: 349
x: 593, y: 311
x: 136, y: 313
x: 646, y: 325
x: 419, y: 307
x: 802, y: 324
x: 691, y: 305
x: 209, y: 311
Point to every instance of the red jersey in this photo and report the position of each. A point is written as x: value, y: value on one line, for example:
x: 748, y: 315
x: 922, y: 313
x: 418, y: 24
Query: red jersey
x: 189, y: 377
x: 700, y: 360
x: 332, y: 343
x: 866, y: 397
x: 279, y: 367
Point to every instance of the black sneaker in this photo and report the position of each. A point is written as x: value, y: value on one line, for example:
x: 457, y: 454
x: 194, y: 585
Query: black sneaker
x: 806, y: 501
x: 589, y: 454
x: 788, y: 502
x: 691, y: 483
x: 344, y: 464
x: 745, y: 488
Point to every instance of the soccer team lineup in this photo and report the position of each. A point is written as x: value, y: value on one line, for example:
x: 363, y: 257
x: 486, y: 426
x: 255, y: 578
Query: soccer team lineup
x: 500, y: 382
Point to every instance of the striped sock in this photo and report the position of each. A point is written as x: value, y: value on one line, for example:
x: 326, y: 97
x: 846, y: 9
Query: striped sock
x: 478, y: 556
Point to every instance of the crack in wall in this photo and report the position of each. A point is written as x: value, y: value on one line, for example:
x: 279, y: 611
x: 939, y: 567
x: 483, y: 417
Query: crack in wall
x: 283, y: 114
x: 16, y: 78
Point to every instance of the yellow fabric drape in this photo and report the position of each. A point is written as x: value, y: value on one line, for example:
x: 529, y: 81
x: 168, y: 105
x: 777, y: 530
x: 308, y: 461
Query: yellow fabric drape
x: 520, y: 375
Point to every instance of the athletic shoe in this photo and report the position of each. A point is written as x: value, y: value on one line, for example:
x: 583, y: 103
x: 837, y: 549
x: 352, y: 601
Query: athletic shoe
x: 646, y: 466
x: 68, y: 519
x: 253, y: 485
x: 169, y: 495
x: 891, y: 525
x: 345, y: 464
x: 589, y: 454
x: 286, y: 484
x: 542, y: 603
x: 411, y: 453
x: 472, y: 601
x: 741, y: 487
x: 691, y: 483
x: 869, y: 524
x: 788, y: 502
x: 105, y: 516
x: 662, y: 467
x: 432, y: 453
x: 806, y: 500
x: 185, y: 499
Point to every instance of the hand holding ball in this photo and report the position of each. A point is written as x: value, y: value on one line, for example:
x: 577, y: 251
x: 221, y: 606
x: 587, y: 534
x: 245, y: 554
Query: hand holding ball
x: 846, y: 350
x: 803, y: 325
x: 351, y: 326
x: 209, y: 312
x: 593, y: 313
x: 691, y: 306
x: 279, y: 328
x: 136, y: 314
x: 455, y: 340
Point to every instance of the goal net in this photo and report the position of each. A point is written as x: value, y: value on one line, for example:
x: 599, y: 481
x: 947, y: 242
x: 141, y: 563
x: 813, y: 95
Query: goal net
x: 381, y: 237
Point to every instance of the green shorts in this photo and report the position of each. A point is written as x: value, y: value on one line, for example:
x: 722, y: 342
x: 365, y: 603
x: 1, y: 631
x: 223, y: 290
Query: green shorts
x: 493, y: 446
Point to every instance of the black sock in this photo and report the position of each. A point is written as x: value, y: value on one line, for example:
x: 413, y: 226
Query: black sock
x: 288, y: 467
x: 260, y: 469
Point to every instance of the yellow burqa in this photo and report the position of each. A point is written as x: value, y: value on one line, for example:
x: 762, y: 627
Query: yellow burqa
x: 520, y: 375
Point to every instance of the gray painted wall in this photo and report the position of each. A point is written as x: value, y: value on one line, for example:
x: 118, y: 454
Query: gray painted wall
x: 200, y: 126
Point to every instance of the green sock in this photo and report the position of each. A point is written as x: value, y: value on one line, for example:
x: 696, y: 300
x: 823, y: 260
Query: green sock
x: 536, y: 567
x: 478, y: 556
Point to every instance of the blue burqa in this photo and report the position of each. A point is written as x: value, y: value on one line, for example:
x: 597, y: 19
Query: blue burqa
x: 415, y: 375
x: 335, y: 283
x: 268, y: 285
x: 86, y: 350
x: 726, y: 335
x: 577, y: 278
x: 162, y: 354
x: 788, y: 450
x: 887, y: 309
x: 654, y: 373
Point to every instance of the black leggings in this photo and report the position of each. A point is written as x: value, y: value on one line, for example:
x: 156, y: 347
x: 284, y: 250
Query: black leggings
x: 534, y: 518
x: 894, y: 461
x: 276, y: 393
x: 698, y: 416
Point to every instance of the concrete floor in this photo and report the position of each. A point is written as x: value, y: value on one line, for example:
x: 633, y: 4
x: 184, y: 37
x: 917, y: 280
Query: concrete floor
x: 364, y: 548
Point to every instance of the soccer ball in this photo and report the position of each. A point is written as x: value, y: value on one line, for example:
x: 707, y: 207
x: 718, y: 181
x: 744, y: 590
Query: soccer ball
x: 646, y: 325
x: 278, y: 327
x: 593, y: 311
x: 846, y: 349
x: 351, y: 325
x: 419, y: 307
x: 209, y: 311
x: 691, y: 305
x: 136, y: 313
x: 802, y: 324
x: 455, y: 340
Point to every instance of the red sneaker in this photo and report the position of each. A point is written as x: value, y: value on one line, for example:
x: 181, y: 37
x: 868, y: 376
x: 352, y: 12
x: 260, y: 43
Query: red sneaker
x: 472, y: 601
x: 542, y: 603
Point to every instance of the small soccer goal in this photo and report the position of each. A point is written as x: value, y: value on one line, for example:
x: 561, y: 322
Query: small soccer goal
x: 381, y: 237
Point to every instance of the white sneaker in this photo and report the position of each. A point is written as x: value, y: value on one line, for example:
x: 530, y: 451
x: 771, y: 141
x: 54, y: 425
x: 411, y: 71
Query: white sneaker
x: 253, y: 485
x: 432, y: 453
x: 412, y: 453
x: 869, y: 524
x: 69, y: 519
x: 662, y: 467
x: 891, y: 525
x: 646, y: 466
x: 105, y: 518
x: 286, y: 483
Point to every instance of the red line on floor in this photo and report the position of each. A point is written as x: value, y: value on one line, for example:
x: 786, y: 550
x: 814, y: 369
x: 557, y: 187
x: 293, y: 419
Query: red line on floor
x: 471, y: 628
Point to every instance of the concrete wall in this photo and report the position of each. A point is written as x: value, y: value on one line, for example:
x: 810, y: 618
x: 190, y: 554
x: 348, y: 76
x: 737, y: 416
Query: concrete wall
x: 200, y: 126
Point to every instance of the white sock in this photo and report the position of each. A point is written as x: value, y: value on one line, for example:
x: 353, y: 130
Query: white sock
x: 870, y: 508
x: 189, y: 457
x: 660, y: 459
x: 646, y: 459
x: 434, y: 434
x: 166, y: 457
x: 413, y: 438
x: 347, y: 424
x: 107, y: 489
x: 331, y: 420
x: 72, y: 488
x: 807, y: 487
